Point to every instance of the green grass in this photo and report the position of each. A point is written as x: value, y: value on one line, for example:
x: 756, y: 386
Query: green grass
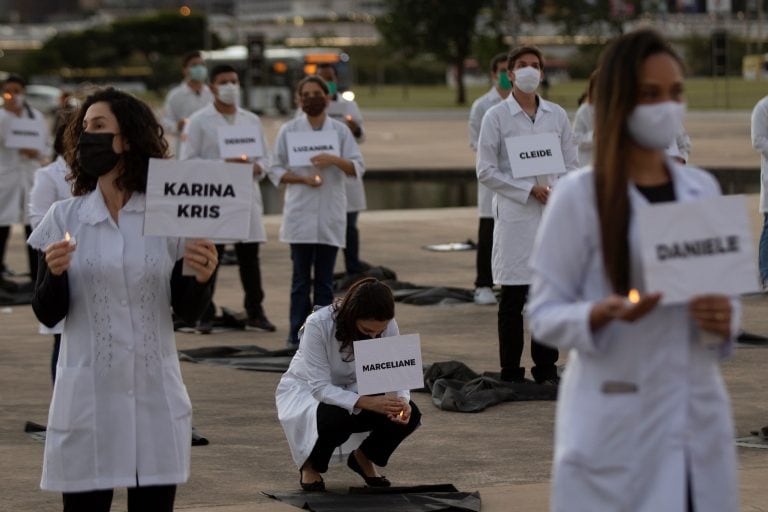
x: 701, y: 93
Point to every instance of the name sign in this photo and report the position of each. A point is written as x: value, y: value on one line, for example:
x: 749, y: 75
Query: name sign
x: 338, y: 109
x: 302, y: 146
x: 25, y: 133
x: 697, y: 247
x: 534, y: 155
x: 240, y: 141
x: 388, y: 364
x: 198, y: 199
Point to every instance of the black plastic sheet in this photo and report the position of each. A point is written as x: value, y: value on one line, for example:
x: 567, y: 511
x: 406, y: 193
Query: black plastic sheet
x: 245, y: 357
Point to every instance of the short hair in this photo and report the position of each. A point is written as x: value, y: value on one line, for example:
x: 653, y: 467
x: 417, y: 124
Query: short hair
x: 138, y: 126
x: 189, y: 56
x: 327, y: 65
x: 15, y: 79
x: 496, y: 60
x: 220, y: 69
x: 518, y: 52
x: 313, y: 79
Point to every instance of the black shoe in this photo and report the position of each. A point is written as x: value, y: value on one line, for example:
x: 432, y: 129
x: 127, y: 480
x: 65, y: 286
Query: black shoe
x: 260, y: 324
x: 371, y: 481
x: 204, y: 326
x: 552, y: 381
x: 318, y: 486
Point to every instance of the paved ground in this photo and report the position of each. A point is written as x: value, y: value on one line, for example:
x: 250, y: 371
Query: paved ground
x: 504, y: 452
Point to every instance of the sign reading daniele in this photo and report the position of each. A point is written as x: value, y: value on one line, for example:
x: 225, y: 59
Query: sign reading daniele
x: 697, y: 247
x: 198, y: 199
x: 302, y: 146
x: 388, y: 364
x: 534, y: 155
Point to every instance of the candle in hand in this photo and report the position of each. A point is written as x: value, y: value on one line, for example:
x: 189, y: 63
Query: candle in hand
x: 634, y: 296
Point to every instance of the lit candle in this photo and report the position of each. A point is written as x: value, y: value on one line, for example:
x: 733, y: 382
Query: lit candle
x: 402, y: 413
x: 244, y: 158
x: 348, y: 118
x: 634, y: 296
x: 318, y: 179
x: 69, y: 238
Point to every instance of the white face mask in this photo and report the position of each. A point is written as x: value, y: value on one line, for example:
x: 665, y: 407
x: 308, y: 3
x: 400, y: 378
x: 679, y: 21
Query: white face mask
x: 655, y: 126
x: 229, y: 94
x: 527, y: 79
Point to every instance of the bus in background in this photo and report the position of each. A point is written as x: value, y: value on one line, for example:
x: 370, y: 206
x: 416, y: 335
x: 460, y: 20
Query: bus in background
x: 282, y: 68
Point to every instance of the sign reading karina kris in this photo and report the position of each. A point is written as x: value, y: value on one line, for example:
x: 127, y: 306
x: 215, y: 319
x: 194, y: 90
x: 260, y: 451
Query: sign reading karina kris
x: 302, y: 146
x: 388, y: 364
x: 697, y: 247
x: 198, y: 199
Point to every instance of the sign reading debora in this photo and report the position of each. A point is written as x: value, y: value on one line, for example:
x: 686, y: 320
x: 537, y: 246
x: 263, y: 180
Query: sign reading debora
x: 389, y: 364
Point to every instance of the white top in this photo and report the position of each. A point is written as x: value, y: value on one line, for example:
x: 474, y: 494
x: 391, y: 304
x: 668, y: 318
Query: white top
x: 628, y: 450
x: 181, y: 102
x: 50, y: 186
x: 119, y: 409
x: 318, y: 373
x: 516, y: 212
x: 584, y: 131
x: 316, y: 215
x: 202, y: 141
x: 479, y: 108
x: 760, y: 143
x: 17, y: 172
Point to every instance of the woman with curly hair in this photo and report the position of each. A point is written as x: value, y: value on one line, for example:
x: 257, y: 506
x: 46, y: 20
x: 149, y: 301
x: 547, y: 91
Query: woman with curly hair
x: 120, y: 415
x: 317, y: 400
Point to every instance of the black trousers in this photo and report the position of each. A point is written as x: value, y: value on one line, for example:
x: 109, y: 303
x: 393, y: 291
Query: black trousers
x: 484, y: 278
x: 5, y: 233
x: 250, y: 278
x: 154, y: 498
x: 335, y: 425
x: 55, y: 356
x: 512, y: 339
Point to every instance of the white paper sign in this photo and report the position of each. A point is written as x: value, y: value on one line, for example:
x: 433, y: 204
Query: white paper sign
x: 697, y: 247
x: 388, y: 364
x: 304, y: 145
x: 239, y: 141
x: 338, y: 109
x: 198, y: 199
x: 25, y: 133
x: 534, y: 155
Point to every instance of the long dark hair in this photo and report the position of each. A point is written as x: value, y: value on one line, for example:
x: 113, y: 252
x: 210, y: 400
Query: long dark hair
x: 616, y: 95
x: 138, y: 127
x: 366, y: 299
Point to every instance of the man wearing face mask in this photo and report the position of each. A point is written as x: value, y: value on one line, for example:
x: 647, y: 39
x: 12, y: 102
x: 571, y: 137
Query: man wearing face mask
x: 499, y: 91
x: 188, y: 97
x: 201, y: 140
x: 518, y: 205
x: 17, y: 169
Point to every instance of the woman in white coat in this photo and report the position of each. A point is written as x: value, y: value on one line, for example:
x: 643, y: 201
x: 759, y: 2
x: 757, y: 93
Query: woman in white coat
x: 583, y: 123
x: 120, y: 415
x: 643, y: 418
x: 315, y: 206
x: 317, y: 400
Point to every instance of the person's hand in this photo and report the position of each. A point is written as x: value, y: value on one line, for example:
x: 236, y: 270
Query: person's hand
x: 257, y: 169
x: 712, y: 313
x: 180, y: 125
x: 58, y: 256
x: 201, y: 256
x: 382, y: 404
x: 616, y: 307
x: 324, y: 160
x: 313, y: 181
x: 353, y: 126
x: 32, y: 154
x: 404, y: 415
x: 540, y: 193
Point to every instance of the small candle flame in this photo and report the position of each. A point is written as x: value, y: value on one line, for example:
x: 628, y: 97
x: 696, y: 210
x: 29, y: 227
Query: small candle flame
x: 348, y: 118
x: 243, y: 157
x: 7, y: 96
x: 67, y: 237
x: 402, y: 413
x: 318, y: 179
x: 634, y: 296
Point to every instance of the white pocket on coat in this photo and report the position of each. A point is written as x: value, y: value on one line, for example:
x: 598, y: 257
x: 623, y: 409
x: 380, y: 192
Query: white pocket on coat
x: 74, y: 402
x: 175, y: 391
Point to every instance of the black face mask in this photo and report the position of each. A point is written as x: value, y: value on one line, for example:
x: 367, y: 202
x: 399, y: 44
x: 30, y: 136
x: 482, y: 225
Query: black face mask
x: 313, y: 105
x: 95, y: 153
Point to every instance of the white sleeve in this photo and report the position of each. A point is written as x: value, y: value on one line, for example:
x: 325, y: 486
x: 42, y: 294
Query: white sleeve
x: 41, y: 197
x: 760, y: 127
x: 488, y: 148
x: 169, y: 119
x: 192, y: 141
x: 49, y: 230
x: 264, y: 160
x: 279, y: 165
x: 475, y: 118
x: 568, y: 144
x: 583, y: 134
x: 351, y: 151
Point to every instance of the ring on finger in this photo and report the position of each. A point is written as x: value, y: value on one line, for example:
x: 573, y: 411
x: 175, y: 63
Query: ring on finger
x: 207, y: 261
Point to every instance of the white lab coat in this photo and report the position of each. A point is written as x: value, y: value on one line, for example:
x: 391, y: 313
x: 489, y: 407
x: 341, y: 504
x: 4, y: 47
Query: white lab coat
x: 516, y: 212
x: 479, y: 108
x: 760, y: 143
x: 50, y: 186
x: 119, y: 412
x: 630, y: 450
x: 180, y: 103
x: 584, y: 131
x: 201, y: 140
x: 17, y: 172
x: 318, y: 373
x: 316, y: 215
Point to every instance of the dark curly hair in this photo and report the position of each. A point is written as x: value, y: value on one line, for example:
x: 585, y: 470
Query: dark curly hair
x: 139, y: 128
x: 366, y: 299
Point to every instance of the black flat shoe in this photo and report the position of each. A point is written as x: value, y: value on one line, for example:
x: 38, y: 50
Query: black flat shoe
x: 371, y: 481
x: 318, y: 486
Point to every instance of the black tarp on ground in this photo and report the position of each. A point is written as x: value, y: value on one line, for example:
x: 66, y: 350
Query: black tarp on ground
x: 424, y: 498
x: 245, y: 357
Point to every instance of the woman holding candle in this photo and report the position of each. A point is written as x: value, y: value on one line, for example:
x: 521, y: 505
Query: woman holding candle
x: 120, y: 415
x: 643, y: 418
x: 315, y: 207
x: 317, y: 400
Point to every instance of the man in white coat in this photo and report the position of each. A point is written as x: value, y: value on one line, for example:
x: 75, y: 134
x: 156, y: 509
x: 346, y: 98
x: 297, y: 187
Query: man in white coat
x: 201, y: 140
x: 499, y: 91
x: 518, y: 205
x: 188, y: 97
x: 760, y: 143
